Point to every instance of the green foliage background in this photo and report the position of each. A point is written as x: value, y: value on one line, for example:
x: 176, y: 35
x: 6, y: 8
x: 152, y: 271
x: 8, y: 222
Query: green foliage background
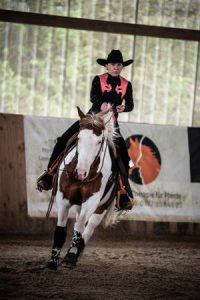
x: 48, y: 71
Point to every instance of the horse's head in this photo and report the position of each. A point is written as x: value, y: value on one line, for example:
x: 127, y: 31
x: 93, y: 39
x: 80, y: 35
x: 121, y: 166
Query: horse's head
x: 90, y: 142
x: 143, y: 158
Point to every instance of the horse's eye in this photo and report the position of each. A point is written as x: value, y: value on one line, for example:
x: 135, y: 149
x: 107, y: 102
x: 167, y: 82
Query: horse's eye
x: 99, y: 142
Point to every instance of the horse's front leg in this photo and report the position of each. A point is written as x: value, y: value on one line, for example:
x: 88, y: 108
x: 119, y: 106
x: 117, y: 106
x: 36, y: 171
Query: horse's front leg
x: 60, y: 232
x: 78, y: 243
x: 93, y: 222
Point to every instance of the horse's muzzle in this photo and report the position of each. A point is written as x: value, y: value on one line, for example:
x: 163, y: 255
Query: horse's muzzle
x: 81, y: 174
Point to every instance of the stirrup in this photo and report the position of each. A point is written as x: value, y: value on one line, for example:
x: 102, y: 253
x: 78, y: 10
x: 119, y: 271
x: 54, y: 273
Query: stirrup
x: 123, y: 200
x: 124, y: 197
x: 43, y: 184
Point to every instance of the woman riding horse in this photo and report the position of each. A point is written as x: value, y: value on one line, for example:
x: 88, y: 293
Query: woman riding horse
x: 112, y: 88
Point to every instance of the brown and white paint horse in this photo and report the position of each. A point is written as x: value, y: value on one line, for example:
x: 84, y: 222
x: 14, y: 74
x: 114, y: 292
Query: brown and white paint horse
x: 86, y: 179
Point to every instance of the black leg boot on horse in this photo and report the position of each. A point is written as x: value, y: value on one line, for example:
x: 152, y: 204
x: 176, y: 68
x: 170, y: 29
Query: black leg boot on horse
x: 74, y: 251
x: 59, y: 240
x: 124, y: 194
x: 67, y: 140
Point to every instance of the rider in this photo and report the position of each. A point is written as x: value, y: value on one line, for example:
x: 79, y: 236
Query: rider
x: 106, y: 88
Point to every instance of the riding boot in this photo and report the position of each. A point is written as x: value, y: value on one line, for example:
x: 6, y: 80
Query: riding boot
x: 59, y: 240
x: 45, y: 181
x: 124, y: 195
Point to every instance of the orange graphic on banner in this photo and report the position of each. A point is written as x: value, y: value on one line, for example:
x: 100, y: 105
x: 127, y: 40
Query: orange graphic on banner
x: 146, y: 159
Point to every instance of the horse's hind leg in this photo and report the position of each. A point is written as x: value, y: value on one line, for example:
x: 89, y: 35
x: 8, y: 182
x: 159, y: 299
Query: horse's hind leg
x: 60, y: 231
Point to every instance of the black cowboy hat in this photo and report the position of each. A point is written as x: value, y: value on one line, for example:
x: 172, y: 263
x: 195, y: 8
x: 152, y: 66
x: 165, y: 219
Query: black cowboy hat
x: 115, y: 56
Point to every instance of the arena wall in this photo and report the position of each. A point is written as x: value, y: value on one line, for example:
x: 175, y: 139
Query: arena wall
x: 13, y: 195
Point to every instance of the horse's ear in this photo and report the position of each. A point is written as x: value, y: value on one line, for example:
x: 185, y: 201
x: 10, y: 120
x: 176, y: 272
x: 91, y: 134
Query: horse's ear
x: 80, y: 113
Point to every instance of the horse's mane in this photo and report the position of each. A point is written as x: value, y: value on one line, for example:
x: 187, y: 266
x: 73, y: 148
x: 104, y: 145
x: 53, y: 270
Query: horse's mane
x: 99, y: 122
x: 93, y: 122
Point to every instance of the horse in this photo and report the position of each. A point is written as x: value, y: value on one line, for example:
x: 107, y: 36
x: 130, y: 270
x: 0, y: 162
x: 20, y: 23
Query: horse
x: 88, y: 179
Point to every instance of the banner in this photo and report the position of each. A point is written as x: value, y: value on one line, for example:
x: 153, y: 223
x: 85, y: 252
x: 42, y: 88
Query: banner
x: 164, y: 173
x: 40, y: 134
x: 160, y: 178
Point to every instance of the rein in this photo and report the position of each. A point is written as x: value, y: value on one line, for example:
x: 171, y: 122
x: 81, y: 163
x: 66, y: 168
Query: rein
x: 86, y: 180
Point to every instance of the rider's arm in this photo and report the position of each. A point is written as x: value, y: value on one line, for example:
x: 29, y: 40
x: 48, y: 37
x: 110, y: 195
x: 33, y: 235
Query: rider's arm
x: 96, y: 95
x: 128, y: 97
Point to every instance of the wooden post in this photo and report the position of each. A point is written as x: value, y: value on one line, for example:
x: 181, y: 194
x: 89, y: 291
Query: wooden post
x: 13, y: 204
x: 13, y: 197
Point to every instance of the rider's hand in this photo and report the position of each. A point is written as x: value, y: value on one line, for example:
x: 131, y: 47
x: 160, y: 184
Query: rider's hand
x: 105, y: 106
x: 120, y: 108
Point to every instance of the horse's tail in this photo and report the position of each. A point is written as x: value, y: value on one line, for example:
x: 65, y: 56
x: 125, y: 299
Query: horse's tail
x: 110, y: 216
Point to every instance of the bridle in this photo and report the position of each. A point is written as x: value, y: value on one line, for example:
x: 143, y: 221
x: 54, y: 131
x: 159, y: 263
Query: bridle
x: 87, y: 180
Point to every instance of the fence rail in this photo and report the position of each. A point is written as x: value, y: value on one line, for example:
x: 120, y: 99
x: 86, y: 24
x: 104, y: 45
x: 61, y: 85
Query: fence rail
x: 100, y: 26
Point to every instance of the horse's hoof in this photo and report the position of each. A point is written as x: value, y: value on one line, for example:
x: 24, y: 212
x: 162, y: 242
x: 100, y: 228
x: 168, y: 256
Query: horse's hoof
x: 52, y: 265
x: 70, y: 260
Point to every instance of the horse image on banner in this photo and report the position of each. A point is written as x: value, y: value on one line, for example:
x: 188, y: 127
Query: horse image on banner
x: 88, y: 179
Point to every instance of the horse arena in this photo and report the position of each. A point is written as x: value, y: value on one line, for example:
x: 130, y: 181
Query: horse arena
x: 119, y: 268
x: 48, y: 53
x: 132, y: 260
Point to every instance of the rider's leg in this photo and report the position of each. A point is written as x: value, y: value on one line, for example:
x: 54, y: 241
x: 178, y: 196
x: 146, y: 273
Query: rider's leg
x: 45, y: 181
x: 123, y: 152
x: 62, y: 141
x: 124, y: 201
